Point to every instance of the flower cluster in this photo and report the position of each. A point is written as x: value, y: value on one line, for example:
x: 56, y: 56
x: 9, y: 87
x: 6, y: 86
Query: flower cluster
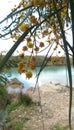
x: 27, y: 67
x: 24, y: 27
x: 44, y: 15
x: 33, y: 20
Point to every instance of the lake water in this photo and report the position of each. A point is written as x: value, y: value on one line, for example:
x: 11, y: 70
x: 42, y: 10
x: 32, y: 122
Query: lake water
x: 54, y: 74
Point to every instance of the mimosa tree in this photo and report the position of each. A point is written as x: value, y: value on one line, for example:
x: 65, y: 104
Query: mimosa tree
x: 40, y: 25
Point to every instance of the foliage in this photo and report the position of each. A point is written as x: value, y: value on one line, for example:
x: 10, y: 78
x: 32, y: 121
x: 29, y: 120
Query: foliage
x: 3, y: 96
x: 12, y: 62
x: 3, y: 92
x: 15, y: 126
x: 3, y: 79
x: 18, y: 126
x: 58, y: 127
x: 34, y: 20
x: 12, y: 106
x: 24, y: 99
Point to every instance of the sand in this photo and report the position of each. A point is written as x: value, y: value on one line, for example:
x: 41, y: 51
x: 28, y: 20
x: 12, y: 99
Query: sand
x: 54, y: 104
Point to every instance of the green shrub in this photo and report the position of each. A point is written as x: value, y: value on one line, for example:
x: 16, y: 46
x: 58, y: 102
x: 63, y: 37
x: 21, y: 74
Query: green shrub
x: 25, y: 99
x: 3, y: 96
x: 3, y: 92
x: 15, y: 126
x: 57, y: 127
x: 12, y: 106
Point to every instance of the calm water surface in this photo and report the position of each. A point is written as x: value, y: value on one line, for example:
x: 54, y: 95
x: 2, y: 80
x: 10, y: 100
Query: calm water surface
x: 54, y: 74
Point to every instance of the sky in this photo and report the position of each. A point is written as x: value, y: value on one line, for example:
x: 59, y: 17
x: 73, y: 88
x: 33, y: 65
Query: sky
x: 5, y: 8
x: 6, y: 5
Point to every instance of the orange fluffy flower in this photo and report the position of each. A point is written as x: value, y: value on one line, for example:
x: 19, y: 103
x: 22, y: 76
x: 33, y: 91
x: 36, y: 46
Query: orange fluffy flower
x: 33, y: 20
x: 20, y: 64
x: 30, y: 44
x: 36, y: 48
x: 24, y: 48
x: 32, y: 66
x: 21, y: 55
x: 24, y: 27
x: 28, y: 74
x: 41, y: 44
x: 28, y: 39
x: 33, y: 58
x: 45, y: 32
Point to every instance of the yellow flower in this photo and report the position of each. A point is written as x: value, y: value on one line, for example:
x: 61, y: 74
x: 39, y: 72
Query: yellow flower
x: 33, y: 20
x: 28, y: 74
x: 23, y: 70
x: 24, y: 48
x: 20, y: 65
x: 45, y: 32
x: 33, y: 58
x: 21, y: 55
x: 24, y: 27
x: 32, y: 66
x: 41, y: 44
x: 36, y: 48
x: 30, y: 44
x: 37, y: 2
x: 28, y: 39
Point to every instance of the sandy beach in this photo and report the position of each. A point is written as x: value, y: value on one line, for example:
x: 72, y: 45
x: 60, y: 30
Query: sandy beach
x: 54, y: 104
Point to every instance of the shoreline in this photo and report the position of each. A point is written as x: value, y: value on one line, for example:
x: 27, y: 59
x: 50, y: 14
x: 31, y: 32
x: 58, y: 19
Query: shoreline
x: 51, y: 85
x: 53, y: 108
x: 48, y: 85
x: 54, y: 87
